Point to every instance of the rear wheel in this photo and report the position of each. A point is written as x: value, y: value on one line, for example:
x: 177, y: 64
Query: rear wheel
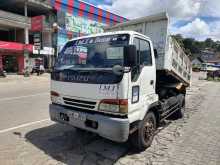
x: 143, y: 137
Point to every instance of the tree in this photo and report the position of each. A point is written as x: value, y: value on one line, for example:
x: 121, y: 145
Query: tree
x: 209, y: 43
x: 179, y: 38
x: 190, y: 43
x: 218, y: 48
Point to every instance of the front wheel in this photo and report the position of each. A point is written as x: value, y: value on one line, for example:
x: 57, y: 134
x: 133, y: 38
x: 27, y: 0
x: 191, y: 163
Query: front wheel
x: 143, y: 137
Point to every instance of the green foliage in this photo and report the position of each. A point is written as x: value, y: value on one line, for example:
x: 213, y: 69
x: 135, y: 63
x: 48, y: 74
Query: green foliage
x: 217, y: 79
x: 210, y: 79
x: 193, y: 47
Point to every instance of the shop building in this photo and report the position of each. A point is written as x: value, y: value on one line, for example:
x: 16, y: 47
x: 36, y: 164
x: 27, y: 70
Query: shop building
x: 17, y: 51
x: 12, y: 41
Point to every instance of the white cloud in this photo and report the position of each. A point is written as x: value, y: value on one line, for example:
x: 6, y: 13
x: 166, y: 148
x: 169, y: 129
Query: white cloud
x: 188, y: 10
x: 214, y: 30
x: 176, y: 8
x: 210, y: 8
x: 197, y: 28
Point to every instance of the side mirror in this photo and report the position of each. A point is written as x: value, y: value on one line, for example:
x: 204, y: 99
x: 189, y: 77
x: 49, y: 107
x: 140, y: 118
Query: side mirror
x: 155, y: 53
x: 130, y: 56
x: 118, y: 70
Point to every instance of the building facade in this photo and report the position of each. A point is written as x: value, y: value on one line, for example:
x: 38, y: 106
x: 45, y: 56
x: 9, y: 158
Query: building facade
x: 17, y: 36
x: 76, y: 18
x: 32, y: 32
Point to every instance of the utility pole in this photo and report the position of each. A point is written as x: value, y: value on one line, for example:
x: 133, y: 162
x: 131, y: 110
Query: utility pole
x: 26, y: 38
x: 26, y: 28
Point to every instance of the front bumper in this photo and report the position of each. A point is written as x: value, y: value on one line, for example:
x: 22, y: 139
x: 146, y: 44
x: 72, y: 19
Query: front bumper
x: 115, y: 129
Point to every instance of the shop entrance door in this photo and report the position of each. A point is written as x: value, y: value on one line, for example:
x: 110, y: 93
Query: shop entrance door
x: 10, y: 64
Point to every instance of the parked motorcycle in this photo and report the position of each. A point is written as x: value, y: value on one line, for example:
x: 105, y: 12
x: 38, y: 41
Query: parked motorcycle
x: 3, y: 73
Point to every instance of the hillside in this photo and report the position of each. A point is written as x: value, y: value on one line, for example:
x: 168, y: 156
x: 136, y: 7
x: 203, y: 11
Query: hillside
x: 194, y: 48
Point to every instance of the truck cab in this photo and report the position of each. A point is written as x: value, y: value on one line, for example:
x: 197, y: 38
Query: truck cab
x: 106, y: 84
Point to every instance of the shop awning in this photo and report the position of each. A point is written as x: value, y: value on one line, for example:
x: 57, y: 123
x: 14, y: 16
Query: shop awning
x: 82, y: 9
x: 15, y: 47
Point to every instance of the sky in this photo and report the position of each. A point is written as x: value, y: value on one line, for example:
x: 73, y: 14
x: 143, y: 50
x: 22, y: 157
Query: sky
x: 199, y: 19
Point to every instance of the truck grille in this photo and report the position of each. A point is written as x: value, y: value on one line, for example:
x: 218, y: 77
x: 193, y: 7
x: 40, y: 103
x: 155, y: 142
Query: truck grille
x: 79, y: 103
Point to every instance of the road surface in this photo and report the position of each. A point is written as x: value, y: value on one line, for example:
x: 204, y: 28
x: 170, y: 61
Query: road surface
x: 28, y: 137
x: 23, y: 101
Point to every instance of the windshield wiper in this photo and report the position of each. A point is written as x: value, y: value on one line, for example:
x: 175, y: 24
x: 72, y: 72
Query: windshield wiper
x: 84, y: 70
x: 65, y: 67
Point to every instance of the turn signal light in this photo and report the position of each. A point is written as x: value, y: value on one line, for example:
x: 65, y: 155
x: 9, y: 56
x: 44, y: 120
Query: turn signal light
x: 114, y: 105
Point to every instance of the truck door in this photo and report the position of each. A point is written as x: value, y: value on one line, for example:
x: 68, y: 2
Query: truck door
x: 143, y: 80
x: 147, y: 69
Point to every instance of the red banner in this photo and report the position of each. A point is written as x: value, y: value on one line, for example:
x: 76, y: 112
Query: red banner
x: 37, y: 23
x: 14, y: 46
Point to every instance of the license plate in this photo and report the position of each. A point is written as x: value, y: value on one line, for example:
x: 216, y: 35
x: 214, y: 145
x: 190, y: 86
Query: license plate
x: 77, y: 115
x: 64, y: 117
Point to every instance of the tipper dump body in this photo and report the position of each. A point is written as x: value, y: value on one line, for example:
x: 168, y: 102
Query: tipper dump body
x: 171, y: 58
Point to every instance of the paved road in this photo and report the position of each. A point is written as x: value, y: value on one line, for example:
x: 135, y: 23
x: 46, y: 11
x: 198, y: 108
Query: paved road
x: 193, y: 140
x: 23, y: 101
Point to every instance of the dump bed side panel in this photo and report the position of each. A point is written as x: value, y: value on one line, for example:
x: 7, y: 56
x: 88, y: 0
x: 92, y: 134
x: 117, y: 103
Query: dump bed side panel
x: 155, y: 30
x: 177, y: 61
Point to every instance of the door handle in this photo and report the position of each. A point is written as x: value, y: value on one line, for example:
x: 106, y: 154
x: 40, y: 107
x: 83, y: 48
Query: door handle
x: 151, y: 82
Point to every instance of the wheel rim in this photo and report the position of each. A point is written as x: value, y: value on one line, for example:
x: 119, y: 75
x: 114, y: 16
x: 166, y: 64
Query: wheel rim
x: 149, y: 130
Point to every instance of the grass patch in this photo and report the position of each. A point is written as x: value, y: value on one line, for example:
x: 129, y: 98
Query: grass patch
x: 217, y: 79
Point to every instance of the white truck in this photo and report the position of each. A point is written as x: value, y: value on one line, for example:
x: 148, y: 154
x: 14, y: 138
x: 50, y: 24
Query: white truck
x: 120, y: 84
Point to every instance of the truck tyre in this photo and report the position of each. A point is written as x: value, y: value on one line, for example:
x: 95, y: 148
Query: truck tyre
x: 143, y: 137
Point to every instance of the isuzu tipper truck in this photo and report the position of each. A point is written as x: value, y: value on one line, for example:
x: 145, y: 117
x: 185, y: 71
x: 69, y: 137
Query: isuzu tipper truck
x: 120, y: 84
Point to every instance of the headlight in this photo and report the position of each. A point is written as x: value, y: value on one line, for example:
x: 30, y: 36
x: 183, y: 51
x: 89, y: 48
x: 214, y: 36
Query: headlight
x: 55, y: 97
x: 114, y: 105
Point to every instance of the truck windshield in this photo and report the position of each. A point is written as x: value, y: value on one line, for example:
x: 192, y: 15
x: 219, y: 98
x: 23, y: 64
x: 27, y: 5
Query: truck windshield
x: 93, y: 53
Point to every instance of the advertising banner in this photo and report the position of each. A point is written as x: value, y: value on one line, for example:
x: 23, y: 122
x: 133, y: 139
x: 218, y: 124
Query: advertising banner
x: 82, y: 25
x: 61, y: 40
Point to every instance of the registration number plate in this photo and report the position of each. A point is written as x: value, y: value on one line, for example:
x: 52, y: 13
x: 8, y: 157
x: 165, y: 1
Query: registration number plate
x: 77, y: 115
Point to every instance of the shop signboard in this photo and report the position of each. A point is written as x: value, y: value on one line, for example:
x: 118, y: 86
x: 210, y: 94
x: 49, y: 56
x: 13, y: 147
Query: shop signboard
x: 37, y: 40
x: 82, y: 25
x: 37, y: 23
x: 44, y: 51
